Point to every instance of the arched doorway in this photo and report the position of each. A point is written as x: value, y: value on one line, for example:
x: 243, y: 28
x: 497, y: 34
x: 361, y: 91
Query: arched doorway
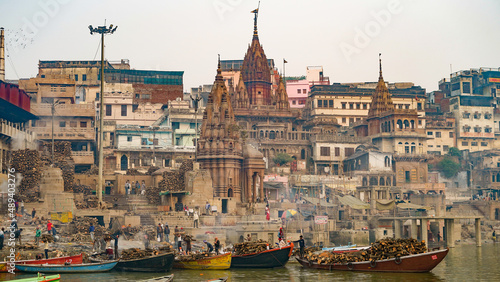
x: 124, y: 163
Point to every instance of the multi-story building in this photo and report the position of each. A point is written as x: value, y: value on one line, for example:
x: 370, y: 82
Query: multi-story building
x: 350, y: 102
x: 475, y: 125
x: 298, y: 89
x: 481, y: 82
x: 329, y: 151
x: 441, y: 133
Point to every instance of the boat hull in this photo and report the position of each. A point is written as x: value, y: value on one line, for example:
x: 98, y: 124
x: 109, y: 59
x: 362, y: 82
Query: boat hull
x: 413, y: 263
x: 266, y: 259
x: 40, y: 278
x: 217, y: 262
x: 167, y: 278
x: 78, y: 259
x: 74, y: 268
x: 158, y: 263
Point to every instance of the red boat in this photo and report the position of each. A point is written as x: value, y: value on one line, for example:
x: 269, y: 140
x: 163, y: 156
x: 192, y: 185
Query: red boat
x: 424, y: 262
x: 78, y: 259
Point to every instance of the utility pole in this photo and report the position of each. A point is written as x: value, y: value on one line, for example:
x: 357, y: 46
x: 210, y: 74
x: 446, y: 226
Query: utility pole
x: 196, y: 100
x: 102, y: 30
x: 154, y: 135
x: 53, y: 108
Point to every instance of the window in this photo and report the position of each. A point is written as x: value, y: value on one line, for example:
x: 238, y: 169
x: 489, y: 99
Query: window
x: 477, y: 129
x: 83, y: 124
x: 430, y: 146
x: 419, y: 106
x: 148, y: 96
x: 76, y: 77
x: 84, y: 77
x: 343, y: 120
x: 407, y: 107
x: 487, y: 116
x: 108, y: 110
x: 358, y: 106
x: 298, y: 91
x: 304, y: 91
x: 293, y: 102
x: 53, y: 89
x: 62, y: 89
x: 351, y: 120
x: 344, y: 105
x: 137, y: 96
x: 320, y: 103
x: 466, y: 87
x: 349, y: 151
x: 192, y: 125
x: 124, y: 110
x: 351, y: 106
x: 429, y: 133
x: 365, y: 106
x: 477, y: 115
x: 324, y: 151
x: 487, y: 129
x: 445, y: 148
x: 438, y: 134
x: 451, y: 134
x: 134, y: 107
x: 175, y: 125
x: 465, y: 143
x: 302, y: 102
x: 129, y: 138
x: 330, y: 103
x: 466, y: 115
x: 337, y: 151
x: 484, y: 144
x: 466, y: 128
x: 473, y: 143
x: 62, y: 124
x: 73, y: 124
x: 155, y: 141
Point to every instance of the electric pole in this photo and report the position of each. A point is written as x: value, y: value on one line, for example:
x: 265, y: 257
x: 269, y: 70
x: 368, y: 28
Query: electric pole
x: 196, y: 100
x: 53, y: 108
x: 102, y: 30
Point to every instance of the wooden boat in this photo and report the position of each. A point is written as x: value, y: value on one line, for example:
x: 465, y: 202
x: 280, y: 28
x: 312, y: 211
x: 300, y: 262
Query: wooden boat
x: 40, y: 278
x: 222, y: 279
x: 167, y: 278
x: 61, y: 260
x: 424, y: 262
x: 348, y: 246
x: 158, y: 263
x: 267, y: 259
x: 69, y: 268
x: 216, y: 262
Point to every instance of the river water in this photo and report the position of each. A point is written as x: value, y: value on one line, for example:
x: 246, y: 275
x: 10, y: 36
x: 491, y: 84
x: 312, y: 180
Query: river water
x: 463, y: 263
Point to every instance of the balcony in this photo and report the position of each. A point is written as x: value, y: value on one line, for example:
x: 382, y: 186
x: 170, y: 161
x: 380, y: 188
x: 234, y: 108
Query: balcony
x: 65, y: 110
x: 69, y: 133
x: 83, y: 157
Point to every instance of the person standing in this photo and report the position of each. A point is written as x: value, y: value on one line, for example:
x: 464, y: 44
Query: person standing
x: 49, y: 227
x: 217, y: 245
x: 22, y: 207
x: 143, y: 188
x: 248, y: 238
x: 16, y: 204
x: 439, y: 236
x: 159, y: 232
x: 301, y: 245
x: 38, y: 233
x: 196, y: 220
x: 2, y: 236
x: 146, y: 241
x: 137, y: 187
x: 91, y: 231
x: 127, y: 187
x: 17, y: 235
x: 33, y: 213
x: 188, y: 239
x: 116, y: 246
x: 179, y: 242
x: 47, y: 249
x: 494, y: 236
x: 268, y: 213
x: 166, y: 231
x: 207, y: 208
x: 280, y: 234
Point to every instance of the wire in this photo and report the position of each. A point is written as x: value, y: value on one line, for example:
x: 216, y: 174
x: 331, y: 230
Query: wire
x: 10, y: 61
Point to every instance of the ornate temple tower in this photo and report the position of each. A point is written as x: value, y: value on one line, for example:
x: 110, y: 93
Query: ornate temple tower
x: 256, y: 72
x: 220, y: 148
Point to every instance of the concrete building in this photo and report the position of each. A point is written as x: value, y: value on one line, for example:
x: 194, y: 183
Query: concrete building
x: 298, y: 89
x: 473, y: 82
x: 440, y: 130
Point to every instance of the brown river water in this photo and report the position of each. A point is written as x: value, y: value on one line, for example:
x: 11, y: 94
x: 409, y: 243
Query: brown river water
x: 463, y: 263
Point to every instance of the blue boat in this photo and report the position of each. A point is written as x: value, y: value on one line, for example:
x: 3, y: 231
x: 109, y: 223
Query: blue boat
x: 69, y: 268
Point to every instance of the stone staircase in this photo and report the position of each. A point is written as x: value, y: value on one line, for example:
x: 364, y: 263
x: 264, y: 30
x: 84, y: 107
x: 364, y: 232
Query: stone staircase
x: 146, y: 219
x: 140, y: 205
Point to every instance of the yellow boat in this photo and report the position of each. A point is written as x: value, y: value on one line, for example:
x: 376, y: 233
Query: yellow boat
x: 217, y: 262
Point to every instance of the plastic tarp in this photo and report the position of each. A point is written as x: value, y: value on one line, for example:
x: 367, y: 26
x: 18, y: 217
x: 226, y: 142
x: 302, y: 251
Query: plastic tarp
x: 412, y: 206
x: 385, y: 205
x: 315, y: 201
x: 353, y: 202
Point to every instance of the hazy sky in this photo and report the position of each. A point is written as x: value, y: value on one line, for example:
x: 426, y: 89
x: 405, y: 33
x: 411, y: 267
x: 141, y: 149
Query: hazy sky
x: 418, y: 39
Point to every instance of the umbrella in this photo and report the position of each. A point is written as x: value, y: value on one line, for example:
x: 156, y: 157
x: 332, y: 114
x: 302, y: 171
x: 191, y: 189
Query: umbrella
x: 289, y: 213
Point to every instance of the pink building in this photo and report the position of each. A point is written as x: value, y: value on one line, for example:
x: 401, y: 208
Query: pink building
x: 298, y: 90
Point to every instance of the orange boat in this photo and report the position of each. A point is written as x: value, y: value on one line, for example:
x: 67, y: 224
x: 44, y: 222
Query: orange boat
x: 216, y: 262
x: 424, y: 262
x: 78, y: 259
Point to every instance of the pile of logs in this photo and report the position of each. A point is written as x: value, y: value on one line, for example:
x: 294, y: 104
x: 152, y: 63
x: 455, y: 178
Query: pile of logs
x: 135, y: 253
x: 133, y: 171
x: 89, y: 202
x: 28, y: 164
x: 296, y: 251
x: 94, y: 170
x: 152, y: 169
x: 47, y: 238
x: 85, y: 189
x: 81, y: 224
x: 250, y: 247
x: 79, y: 237
x: 27, y: 246
x: 194, y: 256
x: 62, y: 160
x: 172, y: 181
x: 382, y: 249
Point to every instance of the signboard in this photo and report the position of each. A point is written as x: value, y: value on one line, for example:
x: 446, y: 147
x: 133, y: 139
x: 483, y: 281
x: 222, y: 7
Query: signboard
x: 63, y: 217
x: 494, y: 79
x: 320, y: 219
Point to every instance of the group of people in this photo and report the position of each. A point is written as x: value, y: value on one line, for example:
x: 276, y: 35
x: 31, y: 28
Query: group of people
x: 135, y: 188
x: 162, y: 233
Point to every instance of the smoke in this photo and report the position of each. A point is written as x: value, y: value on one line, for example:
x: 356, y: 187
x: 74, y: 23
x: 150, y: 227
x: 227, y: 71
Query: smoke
x: 21, y: 141
x: 4, y: 184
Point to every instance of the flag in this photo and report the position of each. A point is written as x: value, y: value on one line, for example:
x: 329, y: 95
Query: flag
x: 416, y: 98
x: 285, y: 61
x: 255, y: 11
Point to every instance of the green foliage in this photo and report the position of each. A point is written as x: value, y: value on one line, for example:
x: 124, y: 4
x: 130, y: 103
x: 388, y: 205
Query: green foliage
x: 282, y: 159
x: 449, y: 167
x: 454, y: 152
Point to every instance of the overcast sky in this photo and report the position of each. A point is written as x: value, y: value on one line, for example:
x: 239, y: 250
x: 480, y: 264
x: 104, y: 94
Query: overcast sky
x: 419, y: 40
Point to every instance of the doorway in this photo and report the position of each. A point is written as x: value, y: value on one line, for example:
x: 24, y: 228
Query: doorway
x: 124, y: 163
x: 224, y: 205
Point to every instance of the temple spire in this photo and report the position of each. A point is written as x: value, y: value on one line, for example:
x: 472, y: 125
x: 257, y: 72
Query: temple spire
x: 380, y: 66
x: 218, y: 77
x: 256, y: 15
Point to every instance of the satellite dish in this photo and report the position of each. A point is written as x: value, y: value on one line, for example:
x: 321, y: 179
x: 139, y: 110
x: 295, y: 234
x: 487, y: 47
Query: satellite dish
x: 327, y: 169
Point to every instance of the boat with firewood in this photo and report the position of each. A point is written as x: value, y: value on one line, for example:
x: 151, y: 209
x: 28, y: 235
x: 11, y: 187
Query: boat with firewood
x: 157, y: 263
x: 422, y: 262
x: 222, y: 261
x: 276, y: 257
x: 78, y: 259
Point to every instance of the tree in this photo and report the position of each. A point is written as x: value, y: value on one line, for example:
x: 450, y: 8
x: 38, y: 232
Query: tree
x: 282, y: 159
x: 454, y: 152
x: 449, y: 167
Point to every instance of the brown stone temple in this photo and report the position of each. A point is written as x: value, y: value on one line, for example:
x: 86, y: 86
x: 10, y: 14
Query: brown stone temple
x: 237, y: 169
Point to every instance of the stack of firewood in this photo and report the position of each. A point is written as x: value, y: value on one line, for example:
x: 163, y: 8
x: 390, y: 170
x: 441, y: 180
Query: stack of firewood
x: 250, y: 247
x: 62, y: 160
x: 47, y: 238
x: 135, y: 253
x: 152, y: 169
x: 85, y: 189
x: 28, y: 164
x: 133, y: 171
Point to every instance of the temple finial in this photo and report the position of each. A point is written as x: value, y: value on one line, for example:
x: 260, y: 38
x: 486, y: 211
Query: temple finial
x: 256, y: 12
x: 380, y: 63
